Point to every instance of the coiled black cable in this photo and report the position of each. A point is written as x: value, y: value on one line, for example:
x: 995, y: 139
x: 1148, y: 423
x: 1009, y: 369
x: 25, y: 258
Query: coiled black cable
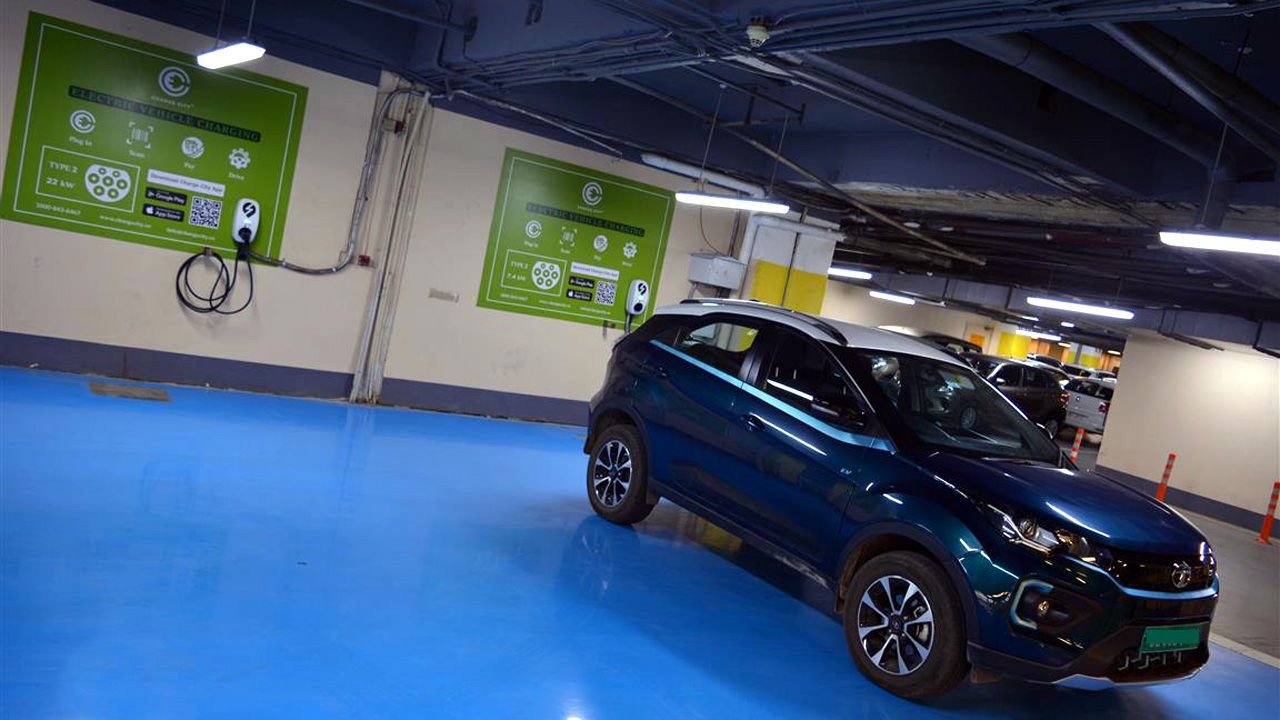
x: 213, y: 301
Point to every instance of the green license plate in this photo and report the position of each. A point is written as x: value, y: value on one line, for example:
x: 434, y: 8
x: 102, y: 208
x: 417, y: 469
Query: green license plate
x: 1176, y: 637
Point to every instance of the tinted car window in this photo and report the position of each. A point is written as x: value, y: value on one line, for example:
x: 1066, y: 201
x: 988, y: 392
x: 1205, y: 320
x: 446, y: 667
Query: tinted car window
x: 1078, y: 387
x: 947, y: 406
x: 1010, y: 374
x: 804, y: 376
x: 1105, y: 391
x: 721, y: 345
x: 1039, y: 379
x: 982, y: 365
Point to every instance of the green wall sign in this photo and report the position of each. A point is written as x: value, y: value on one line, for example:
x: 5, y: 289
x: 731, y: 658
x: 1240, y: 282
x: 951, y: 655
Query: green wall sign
x: 567, y: 241
x: 131, y: 141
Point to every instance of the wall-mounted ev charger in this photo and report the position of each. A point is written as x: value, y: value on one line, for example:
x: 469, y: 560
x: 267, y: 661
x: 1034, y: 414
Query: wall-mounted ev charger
x: 637, y: 300
x: 244, y: 230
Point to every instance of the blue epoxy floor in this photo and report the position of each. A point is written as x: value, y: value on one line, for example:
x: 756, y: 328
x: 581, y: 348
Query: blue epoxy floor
x: 227, y: 555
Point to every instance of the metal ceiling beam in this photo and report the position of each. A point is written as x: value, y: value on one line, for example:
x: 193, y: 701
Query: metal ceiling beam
x: 1161, y: 63
x: 830, y: 187
x: 1231, y: 89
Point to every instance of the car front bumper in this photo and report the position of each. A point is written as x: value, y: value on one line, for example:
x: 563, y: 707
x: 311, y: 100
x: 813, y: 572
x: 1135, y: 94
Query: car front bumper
x: 1100, y: 645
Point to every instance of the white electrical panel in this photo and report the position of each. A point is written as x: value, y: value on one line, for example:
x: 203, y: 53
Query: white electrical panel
x: 716, y: 270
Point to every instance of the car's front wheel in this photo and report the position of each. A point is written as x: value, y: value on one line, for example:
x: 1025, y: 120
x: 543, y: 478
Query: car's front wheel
x: 618, y: 476
x: 904, y: 626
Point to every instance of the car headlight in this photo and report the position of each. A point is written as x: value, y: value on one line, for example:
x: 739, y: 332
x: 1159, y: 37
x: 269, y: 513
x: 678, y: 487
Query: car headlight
x: 1027, y: 530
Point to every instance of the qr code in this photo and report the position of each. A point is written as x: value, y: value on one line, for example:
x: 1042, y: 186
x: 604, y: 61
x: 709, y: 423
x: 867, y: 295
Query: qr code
x: 205, y: 213
x: 606, y: 293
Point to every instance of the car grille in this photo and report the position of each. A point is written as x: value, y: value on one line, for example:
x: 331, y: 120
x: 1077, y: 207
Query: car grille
x: 1149, y: 609
x: 1156, y: 572
x: 1133, y: 666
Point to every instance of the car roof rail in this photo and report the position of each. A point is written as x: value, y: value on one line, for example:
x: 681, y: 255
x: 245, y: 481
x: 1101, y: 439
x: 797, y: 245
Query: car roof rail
x: 806, y: 318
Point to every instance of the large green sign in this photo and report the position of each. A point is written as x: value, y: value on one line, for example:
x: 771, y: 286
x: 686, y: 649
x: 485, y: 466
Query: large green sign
x: 567, y: 241
x: 131, y: 141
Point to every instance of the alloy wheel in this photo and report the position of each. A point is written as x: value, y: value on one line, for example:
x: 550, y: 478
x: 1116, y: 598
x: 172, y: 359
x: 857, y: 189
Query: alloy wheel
x: 895, y: 625
x: 612, y: 473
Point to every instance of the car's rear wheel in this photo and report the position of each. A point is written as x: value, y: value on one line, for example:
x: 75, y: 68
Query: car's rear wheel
x: 618, y: 476
x: 904, y: 627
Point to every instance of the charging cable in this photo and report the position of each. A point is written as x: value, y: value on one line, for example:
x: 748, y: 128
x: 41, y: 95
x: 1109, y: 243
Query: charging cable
x: 243, y: 231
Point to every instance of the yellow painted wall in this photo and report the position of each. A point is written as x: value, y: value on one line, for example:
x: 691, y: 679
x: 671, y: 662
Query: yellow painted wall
x: 797, y: 289
x: 1013, y: 345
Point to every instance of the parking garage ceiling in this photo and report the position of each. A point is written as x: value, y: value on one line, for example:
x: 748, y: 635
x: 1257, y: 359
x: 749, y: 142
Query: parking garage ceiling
x: 1037, y: 145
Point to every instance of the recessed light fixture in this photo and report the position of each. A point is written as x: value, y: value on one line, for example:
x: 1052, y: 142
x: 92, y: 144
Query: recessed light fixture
x: 1082, y: 308
x: 234, y: 54
x: 1225, y: 243
x: 733, y: 203
x: 850, y: 273
x: 1068, y: 324
x: 912, y: 224
x: 891, y: 297
x: 1039, y: 335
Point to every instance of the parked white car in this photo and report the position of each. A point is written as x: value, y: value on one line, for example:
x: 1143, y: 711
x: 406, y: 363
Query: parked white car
x: 1088, y: 402
x: 1086, y: 372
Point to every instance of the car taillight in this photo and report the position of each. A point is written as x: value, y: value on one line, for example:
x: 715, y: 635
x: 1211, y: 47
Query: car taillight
x: 1103, y: 407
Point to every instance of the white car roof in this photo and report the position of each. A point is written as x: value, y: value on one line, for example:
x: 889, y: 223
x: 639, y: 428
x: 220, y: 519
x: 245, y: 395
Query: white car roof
x: 824, y: 329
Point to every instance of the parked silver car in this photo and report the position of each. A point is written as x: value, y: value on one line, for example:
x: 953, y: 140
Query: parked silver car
x: 1088, y: 401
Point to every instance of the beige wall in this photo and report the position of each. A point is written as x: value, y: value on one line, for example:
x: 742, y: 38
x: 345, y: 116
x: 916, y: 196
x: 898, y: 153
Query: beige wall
x: 1219, y: 411
x: 458, y: 343
x: 70, y: 285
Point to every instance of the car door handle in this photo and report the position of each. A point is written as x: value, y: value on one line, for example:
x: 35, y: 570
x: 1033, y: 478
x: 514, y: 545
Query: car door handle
x: 753, y: 422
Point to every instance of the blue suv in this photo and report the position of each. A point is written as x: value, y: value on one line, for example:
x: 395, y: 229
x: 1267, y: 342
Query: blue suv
x: 956, y: 538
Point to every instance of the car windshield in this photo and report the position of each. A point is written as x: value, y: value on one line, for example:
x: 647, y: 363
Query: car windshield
x: 946, y: 406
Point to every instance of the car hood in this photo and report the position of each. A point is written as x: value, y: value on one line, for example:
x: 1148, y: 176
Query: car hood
x: 1084, y: 502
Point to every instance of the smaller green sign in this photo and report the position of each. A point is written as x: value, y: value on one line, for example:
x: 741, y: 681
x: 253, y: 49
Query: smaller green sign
x: 131, y: 141
x: 567, y: 241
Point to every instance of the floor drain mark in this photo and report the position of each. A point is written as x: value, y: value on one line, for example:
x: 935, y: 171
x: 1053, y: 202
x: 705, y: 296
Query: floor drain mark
x: 133, y: 392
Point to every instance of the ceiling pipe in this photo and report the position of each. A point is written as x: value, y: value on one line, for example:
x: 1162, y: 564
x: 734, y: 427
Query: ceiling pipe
x: 701, y: 174
x: 1234, y: 91
x: 1041, y: 61
x: 1161, y: 63
x: 1037, y: 59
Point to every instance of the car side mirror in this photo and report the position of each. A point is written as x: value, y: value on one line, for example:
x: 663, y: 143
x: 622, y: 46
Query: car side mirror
x: 840, y: 410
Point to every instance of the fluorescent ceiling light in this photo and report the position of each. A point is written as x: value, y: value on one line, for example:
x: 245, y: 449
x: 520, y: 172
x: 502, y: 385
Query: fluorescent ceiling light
x: 1068, y: 324
x: 1030, y: 318
x: 903, y: 299
x: 848, y: 273
x: 733, y: 203
x: 1064, y: 344
x: 230, y: 55
x: 1039, y: 335
x: 1082, y: 308
x: 1113, y: 352
x: 1227, y: 243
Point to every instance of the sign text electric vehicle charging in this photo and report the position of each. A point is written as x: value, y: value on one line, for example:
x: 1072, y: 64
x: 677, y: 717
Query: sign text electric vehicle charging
x: 131, y: 141
x: 567, y: 241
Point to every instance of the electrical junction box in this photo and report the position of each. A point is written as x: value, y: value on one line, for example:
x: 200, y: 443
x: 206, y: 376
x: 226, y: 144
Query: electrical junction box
x: 716, y: 270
